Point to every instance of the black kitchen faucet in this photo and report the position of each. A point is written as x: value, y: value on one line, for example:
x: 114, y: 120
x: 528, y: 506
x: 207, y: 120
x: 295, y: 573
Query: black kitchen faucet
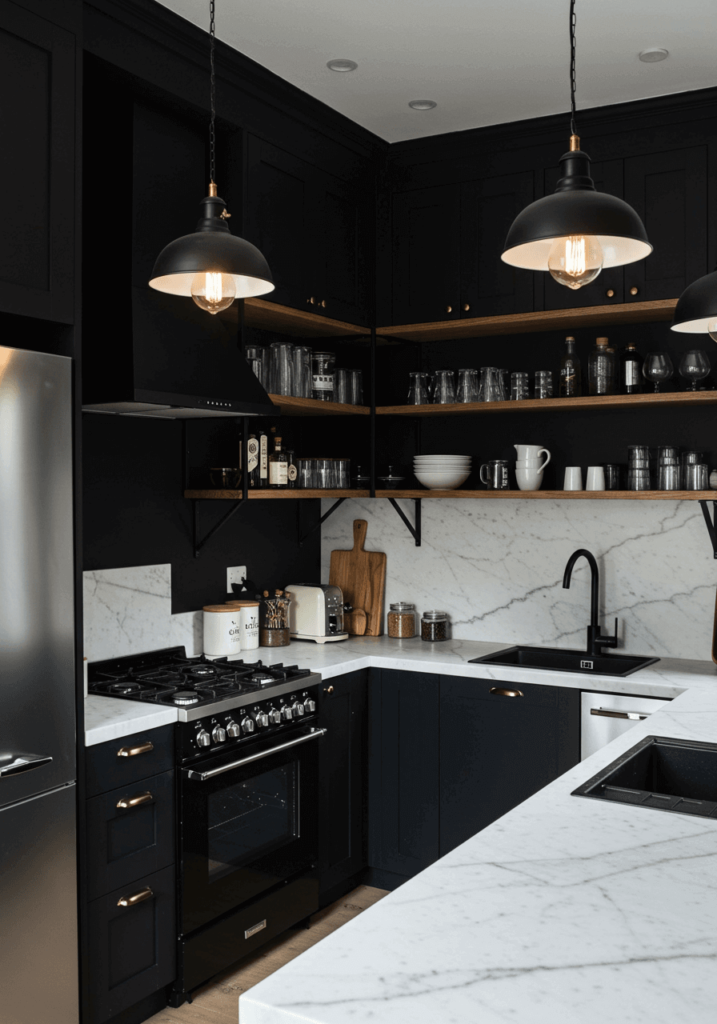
x: 595, y: 641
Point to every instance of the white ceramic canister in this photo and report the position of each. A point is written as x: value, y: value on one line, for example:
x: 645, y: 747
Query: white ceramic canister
x: 222, y: 631
x: 249, y: 623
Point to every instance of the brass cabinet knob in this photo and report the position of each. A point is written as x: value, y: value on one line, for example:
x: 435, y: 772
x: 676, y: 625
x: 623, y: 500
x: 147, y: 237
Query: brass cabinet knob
x: 634, y: 290
x: 466, y: 307
x: 312, y: 301
x: 323, y: 303
x: 610, y: 292
x: 449, y: 309
x: 329, y: 689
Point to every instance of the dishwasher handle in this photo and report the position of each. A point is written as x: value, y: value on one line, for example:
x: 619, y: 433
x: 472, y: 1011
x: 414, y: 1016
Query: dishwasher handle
x: 632, y: 716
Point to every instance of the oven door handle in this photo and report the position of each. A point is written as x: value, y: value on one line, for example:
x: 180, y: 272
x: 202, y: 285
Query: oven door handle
x: 315, y: 734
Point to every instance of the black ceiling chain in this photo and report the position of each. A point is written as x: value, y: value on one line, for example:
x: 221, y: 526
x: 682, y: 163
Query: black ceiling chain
x: 572, y: 68
x: 212, y: 94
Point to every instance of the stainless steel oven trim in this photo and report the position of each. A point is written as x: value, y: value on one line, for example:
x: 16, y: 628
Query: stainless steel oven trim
x: 315, y: 734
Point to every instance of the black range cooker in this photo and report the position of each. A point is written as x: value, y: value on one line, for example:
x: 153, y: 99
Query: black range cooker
x: 247, y: 783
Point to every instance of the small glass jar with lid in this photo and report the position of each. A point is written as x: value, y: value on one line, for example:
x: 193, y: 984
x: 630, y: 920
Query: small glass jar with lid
x: 402, y: 620
x: 434, y: 626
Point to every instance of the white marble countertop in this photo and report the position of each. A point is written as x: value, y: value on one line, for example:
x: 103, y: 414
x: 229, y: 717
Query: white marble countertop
x: 564, y: 909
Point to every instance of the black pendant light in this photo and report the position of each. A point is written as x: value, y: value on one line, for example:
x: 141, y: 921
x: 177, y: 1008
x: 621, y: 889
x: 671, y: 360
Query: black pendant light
x: 212, y: 265
x: 577, y: 231
x: 696, y: 309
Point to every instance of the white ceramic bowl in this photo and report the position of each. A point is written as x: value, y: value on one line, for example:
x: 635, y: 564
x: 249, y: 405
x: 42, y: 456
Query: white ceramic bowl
x: 443, y: 458
x: 447, y: 480
x: 442, y: 462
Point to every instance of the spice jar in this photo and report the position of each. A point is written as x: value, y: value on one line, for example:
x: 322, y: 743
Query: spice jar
x: 402, y: 620
x: 434, y: 626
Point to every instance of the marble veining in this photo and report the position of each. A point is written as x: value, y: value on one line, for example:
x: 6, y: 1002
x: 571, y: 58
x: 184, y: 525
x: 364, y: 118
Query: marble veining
x: 497, y: 568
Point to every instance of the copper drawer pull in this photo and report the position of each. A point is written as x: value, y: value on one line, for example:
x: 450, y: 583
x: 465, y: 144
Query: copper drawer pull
x: 499, y: 691
x: 135, y: 898
x: 143, y: 748
x: 329, y: 689
x: 127, y: 803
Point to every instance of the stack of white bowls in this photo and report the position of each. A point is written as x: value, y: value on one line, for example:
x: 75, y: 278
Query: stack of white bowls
x: 442, y: 472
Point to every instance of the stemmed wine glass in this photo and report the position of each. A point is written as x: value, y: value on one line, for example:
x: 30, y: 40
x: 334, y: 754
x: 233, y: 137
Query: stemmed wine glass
x: 657, y: 368
x: 694, y: 366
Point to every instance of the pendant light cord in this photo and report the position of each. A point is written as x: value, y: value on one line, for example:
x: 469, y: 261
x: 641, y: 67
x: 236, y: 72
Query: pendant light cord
x: 572, y: 68
x: 212, y: 95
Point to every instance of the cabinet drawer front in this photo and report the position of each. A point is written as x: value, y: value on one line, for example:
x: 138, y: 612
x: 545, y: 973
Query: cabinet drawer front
x: 496, y: 690
x: 132, y: 948
x: 130, y: 833
x: 127, y: 760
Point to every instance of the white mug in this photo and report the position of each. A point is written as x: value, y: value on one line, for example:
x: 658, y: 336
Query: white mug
x: 595, y: 479
x: 573, y: 478
x: 528, y: 477
x: 531, y: 453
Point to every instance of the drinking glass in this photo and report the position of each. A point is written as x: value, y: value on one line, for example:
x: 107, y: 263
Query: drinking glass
x: 657, y: 368
x: 694, y: 366
x: 281, y: 374
x: 343, y: 473
x: 307, y: 479
x: 612, y: 476
x: 638, y: 479
x: 543, y: 383
x: 302, y: 371
x: 444, y: 390
x: 322, y: 376
x: 356, y: 387
x: 519, y: 386
x: 467, y: 386
x: 696, y: 477
x: 490, y: 388
x: 342, y: 384
x: 255, y: 356
x: 418, y: 389
x: 669, y: 477
x: 325, y: 475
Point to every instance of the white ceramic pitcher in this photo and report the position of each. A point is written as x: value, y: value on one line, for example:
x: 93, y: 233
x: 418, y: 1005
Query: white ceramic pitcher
x: 530, y: 454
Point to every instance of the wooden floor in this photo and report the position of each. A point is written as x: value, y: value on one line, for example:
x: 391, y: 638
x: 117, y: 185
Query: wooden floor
x: 216, y: 1003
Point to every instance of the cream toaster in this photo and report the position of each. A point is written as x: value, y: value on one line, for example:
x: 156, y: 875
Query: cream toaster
x: 316, y: 612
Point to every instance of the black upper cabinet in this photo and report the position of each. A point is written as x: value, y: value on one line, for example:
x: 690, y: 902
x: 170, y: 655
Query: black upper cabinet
x: 37, y: 126
x: 426, y: 254
x: 310, y: 226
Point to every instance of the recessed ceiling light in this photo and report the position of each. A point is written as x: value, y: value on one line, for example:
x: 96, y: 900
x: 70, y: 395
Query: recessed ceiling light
x: 422, y: 104
x: 341, y: 64
x: 652, y: 55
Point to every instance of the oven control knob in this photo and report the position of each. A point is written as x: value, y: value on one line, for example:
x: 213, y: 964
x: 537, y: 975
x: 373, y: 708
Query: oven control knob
x: 219, y: 735
x: 275, y: 717
x: 261, y: 719
x: 297, y: 709
x: 203, y: 738
x: 247, y: 724
x: 233, y: 730
x: 287, y: 714
x: 309, y: 706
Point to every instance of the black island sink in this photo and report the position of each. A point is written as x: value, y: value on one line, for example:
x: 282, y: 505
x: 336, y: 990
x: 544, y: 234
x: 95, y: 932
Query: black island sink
x: 556, y: 659
x: 662, y: 773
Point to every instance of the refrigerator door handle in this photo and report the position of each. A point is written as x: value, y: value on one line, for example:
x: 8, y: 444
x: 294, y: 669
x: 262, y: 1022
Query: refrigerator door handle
x: 19, y: 763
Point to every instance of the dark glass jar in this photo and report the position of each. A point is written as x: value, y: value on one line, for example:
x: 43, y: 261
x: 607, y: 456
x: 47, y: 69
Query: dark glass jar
x: 434, y: 626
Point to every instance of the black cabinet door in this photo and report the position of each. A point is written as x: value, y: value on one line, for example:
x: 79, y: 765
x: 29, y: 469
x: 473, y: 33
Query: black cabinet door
x: 403, y: 771
x: 489, y: 286
x: 342, y: 779
x: 341, y: 278
x: 497, y: 750
x: 426, y: 254
x: 607, y: 288
x: 124, y: 761
x: 132, y: 944
x: 37, y: 127
x: 669, y: 191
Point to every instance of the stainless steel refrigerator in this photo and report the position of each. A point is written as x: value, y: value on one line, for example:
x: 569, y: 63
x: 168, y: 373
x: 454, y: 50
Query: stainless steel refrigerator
x: 38, y: 885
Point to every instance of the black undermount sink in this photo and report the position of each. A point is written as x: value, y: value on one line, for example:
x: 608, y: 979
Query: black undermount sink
x: 556, y: 659
x: 662, y: 773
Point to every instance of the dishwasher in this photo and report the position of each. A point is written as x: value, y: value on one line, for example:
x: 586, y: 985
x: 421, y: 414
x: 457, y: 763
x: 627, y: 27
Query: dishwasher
x: 605, y: 716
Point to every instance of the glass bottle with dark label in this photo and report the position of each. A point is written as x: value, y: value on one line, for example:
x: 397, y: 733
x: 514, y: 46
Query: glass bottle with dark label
x: 631, y: 375
x: 291, y: 469
x: 263, y: 459
x: 278, y: 466
x: 252, y: 456
x: 570, y: 379
x: 602, y: 369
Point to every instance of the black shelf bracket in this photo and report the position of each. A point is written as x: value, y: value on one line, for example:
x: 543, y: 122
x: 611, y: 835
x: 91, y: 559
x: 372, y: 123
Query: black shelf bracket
x: 711, y: 522
x: 319, y: 522
x: 415, y: 531
x: 199, y: 544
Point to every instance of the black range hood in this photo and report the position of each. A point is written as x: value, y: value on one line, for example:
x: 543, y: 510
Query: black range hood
x: 170, y: 360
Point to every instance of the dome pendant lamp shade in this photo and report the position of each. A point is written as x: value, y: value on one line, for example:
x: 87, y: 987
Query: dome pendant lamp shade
x: 212, y: 264
x: 696, y: 309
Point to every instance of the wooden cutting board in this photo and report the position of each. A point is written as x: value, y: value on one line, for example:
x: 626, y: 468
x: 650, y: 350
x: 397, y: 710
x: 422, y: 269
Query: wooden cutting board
x: 362, y: 578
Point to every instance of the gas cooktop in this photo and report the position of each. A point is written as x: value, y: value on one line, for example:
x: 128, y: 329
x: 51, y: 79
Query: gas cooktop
x: 169, y: 677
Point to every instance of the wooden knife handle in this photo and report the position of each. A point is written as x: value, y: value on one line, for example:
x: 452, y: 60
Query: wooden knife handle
x: 360, y: 528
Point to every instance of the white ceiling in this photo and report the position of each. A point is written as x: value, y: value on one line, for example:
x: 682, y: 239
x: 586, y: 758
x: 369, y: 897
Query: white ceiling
x: 482, y: 61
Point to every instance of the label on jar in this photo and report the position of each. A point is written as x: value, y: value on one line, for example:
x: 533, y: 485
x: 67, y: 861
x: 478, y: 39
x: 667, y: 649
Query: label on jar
x: 263, y: 456
x: 252, y: 452
x: 323, y: 382
x: 632, y: 373
x: 292, y: 473
x: 278, y: 473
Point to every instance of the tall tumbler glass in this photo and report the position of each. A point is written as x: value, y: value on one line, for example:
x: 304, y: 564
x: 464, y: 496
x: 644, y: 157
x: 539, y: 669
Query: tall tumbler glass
x: 342, y: 384
x: 444, y: 389
x: 343, y: 473
x: 255, y: 356
x: 282, y: 368
x: 418, y: 389
x: 467, y: 390
x: 322, y: 372
x: 302, y: 371
x: 325, y: 475
x: 490, y: 388
x: 356, y: 390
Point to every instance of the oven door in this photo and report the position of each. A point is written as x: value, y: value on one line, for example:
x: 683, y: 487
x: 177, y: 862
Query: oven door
x: 248, y: 821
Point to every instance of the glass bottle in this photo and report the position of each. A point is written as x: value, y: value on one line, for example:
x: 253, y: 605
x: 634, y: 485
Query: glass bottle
x: 631, y: 373
x: 291, y: 469
x: 263, y: 459
x: 570, y: 379
x: 252, y: 455
x: 278, y: 466
x: 602, y: 369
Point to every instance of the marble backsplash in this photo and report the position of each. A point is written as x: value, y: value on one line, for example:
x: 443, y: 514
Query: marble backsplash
x: 497, y: 568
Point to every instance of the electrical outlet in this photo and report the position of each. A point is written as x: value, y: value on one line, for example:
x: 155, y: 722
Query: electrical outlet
x: 235, y: 575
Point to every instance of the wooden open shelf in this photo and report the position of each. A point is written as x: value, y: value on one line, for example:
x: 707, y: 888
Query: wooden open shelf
x: 274, y: 493
x: 526, y: 323
x: 676, y: 398
x: 569, y: 495
x: 297, y: 323
x: 313, y: 407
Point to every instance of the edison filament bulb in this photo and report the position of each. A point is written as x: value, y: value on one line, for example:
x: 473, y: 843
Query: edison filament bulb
x: 575, y: 260
x: 213, y: 291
